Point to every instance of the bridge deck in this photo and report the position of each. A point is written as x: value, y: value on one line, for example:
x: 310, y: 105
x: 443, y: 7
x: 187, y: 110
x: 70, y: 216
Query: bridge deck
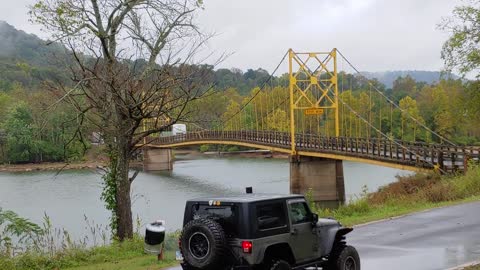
x: 390, y: 153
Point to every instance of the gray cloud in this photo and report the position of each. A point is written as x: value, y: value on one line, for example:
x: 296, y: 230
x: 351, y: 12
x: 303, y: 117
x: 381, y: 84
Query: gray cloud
x: 375, y: 34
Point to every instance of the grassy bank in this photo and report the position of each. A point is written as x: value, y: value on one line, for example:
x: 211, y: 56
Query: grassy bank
x: 128, y: 255
x: 409, y: 194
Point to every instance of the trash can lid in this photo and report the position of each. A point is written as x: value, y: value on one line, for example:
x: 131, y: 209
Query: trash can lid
x: 157, y: 226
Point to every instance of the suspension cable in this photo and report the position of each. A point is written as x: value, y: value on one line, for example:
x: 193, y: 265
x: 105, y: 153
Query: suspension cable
x: 398, y: 107
x: 385, y: 135
x: 263, y: 85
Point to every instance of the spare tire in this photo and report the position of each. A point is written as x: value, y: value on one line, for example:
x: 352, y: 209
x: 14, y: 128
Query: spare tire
x: 203, y: 244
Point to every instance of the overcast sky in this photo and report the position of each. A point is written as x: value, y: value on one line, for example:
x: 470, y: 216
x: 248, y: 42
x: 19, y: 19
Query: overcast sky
x: 376, y: 35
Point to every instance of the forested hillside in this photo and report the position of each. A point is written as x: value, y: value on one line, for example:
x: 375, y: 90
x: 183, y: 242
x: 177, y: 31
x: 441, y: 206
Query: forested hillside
x: 27, y: 60
x: 36, y: 128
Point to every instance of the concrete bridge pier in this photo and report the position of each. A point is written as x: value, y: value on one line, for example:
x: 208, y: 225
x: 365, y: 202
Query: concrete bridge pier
x: 323, y: 176
x: 157, y: 159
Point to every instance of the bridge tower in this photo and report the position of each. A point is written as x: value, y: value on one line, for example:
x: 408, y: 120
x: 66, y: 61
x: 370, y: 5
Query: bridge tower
x: 156, y: 159
x: 314, y: 92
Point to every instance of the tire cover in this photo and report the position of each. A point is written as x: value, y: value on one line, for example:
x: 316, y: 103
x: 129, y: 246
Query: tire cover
x: 212, y: 240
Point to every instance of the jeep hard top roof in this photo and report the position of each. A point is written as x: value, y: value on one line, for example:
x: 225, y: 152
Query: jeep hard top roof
x: 248, y: 198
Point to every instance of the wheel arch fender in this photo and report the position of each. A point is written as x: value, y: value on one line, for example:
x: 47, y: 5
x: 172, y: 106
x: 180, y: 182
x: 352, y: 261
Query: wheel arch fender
x: 334, y: 237
x: 281, y: 250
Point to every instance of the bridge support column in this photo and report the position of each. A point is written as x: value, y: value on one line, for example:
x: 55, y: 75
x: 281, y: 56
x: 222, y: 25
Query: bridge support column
x: 323, y: 176
x: 156, y: 159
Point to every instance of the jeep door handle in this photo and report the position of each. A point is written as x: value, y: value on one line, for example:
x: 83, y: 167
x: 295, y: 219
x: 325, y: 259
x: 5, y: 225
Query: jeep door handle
x: 293, y: 231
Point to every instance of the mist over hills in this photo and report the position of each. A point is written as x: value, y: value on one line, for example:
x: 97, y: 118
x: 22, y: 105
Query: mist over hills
x: 27, y: 59
x: 388, y: 77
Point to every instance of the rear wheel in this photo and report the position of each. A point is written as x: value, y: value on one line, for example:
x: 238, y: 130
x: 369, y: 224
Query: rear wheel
x: 280, y: 265
x: 344, y: 258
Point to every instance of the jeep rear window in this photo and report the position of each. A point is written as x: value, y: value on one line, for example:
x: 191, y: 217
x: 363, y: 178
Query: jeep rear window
x: 224, y: 212
x: 271, y: 216
x: 225, y: 215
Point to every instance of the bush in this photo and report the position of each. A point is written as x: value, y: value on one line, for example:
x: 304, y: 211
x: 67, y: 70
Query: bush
x: 233, y: 149
x: 441, y: 192
x: 405, y: 187
x: 469, y: 184
x: 204, y: 148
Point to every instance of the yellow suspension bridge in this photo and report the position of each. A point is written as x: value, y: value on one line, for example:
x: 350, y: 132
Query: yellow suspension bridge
x: 324, y: 121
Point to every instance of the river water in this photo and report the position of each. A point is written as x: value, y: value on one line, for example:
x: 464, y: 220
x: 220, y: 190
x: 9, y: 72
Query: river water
x: 70, y: 196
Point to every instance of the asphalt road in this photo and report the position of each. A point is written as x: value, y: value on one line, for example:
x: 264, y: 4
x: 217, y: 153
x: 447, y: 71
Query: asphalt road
x: 437, y: 239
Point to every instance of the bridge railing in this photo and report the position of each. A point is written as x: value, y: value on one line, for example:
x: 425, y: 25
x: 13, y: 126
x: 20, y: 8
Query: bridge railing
x: 419, y: 154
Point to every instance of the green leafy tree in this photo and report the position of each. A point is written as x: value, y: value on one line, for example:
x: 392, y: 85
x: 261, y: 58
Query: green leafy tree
x: 443, y: 108
x: 410, y: 130
x: 20, y: 129
x: 404, y: 86
x: 278, y: 120
x: 461, y: 51
x: 231, y: 118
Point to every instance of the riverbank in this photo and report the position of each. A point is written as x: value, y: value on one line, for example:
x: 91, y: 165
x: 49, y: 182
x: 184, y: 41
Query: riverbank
x: 52, y: 166
x: 93, y: 163
x: 93, y: 158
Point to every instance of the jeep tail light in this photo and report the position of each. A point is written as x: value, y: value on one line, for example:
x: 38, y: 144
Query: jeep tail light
x: 247, y: 246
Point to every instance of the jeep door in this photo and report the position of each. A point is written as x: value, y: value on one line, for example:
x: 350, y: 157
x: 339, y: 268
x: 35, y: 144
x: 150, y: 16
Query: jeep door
x: 304, y: 239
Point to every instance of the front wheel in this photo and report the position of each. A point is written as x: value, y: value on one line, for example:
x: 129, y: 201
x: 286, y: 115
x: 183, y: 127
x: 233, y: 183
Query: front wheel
x: 345, y: 258
x: 280, y: 265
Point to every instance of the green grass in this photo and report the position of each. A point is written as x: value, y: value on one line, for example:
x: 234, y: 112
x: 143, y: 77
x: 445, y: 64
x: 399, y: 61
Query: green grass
x: 144, y: 262
x: 128, y: 254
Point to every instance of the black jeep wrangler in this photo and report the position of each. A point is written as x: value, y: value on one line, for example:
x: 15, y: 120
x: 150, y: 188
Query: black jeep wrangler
x: 262, y: 232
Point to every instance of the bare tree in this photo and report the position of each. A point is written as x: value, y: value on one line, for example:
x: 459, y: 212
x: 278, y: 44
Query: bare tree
x: 133, y: 60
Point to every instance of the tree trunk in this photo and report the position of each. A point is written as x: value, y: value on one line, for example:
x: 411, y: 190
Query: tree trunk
x: 124, y: 203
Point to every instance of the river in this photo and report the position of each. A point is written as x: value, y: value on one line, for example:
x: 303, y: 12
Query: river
x: 70, y: 196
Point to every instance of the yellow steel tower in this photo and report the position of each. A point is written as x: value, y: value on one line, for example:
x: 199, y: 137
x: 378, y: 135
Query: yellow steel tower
x: 313, y: 86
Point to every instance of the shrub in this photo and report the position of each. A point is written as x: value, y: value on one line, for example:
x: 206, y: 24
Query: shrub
x: 233, y: 149
x: 440, y: 192
x: 405, y: 187
x: 469, y: 184
x: 204, y: 148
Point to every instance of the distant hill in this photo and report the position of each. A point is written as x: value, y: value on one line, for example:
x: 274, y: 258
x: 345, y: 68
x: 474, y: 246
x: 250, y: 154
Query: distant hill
x: 26, y: 59
x: 388, y: 77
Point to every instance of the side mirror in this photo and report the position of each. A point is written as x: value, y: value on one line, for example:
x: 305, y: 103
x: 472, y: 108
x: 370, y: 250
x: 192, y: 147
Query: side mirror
x: 314, y: 219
